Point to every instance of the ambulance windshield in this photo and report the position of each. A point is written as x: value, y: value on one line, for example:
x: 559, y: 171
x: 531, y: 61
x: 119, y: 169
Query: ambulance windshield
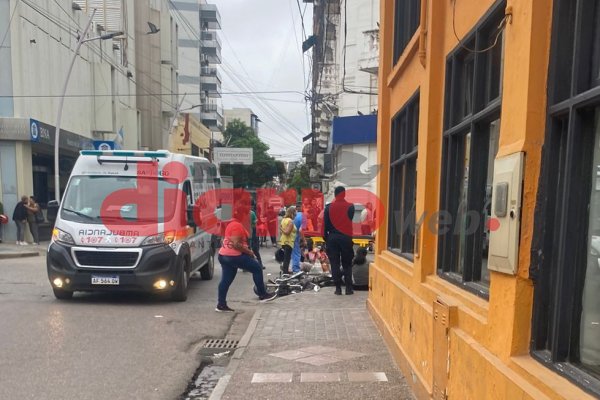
x: 92, y: 199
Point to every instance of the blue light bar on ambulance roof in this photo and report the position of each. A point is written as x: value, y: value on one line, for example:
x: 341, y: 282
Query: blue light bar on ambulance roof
x: 124, y: 153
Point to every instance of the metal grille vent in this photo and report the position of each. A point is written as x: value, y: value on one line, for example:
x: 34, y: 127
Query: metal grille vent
x: 220, y: 344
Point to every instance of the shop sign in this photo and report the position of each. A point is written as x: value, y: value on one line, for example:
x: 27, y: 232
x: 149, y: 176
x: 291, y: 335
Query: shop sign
x: 44, y: 134
x: 104, y: 145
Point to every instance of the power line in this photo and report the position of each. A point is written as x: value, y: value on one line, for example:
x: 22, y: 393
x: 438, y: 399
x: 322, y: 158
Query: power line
x: 9, y: 22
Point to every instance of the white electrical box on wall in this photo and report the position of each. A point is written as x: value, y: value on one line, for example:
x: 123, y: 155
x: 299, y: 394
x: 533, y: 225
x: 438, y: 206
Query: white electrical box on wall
x: 506, y: 214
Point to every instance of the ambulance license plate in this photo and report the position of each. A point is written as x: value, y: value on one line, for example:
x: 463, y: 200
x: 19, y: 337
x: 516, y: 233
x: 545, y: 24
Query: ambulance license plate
x: 105, y: 280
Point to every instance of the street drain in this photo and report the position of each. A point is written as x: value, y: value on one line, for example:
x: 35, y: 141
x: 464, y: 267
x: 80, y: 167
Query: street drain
x: 220, y: 344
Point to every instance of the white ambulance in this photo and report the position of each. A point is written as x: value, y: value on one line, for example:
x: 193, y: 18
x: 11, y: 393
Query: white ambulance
x: 125, y: 224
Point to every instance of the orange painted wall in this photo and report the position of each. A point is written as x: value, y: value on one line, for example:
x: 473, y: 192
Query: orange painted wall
x: 488, y: 344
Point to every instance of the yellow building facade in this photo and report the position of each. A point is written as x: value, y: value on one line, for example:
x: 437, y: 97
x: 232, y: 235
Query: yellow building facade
x: 190, y: 137
x: 462, y: 85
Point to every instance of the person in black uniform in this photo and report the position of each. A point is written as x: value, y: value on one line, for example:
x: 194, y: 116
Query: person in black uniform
x: 338, y: 239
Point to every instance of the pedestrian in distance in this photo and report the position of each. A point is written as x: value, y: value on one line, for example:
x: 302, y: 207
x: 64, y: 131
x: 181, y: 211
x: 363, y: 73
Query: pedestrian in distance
x: 287, y: 238
x: 337, y: 233
x: 34, y: 217
x: 255, y: 244
x: 272, y: 218
x: 299, y: 241
x: 20, y: 218
x: 3, y: 220
x: 235, y: 253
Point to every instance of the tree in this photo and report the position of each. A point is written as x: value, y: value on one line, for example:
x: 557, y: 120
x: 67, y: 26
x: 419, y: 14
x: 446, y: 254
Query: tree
x: 264, y: 167
x: 300, y: 178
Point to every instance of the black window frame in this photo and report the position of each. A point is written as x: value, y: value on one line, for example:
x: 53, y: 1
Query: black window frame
x: 407, y: 14
x: 472, y: 115
x: 404, y: 143
x: 559, y: 248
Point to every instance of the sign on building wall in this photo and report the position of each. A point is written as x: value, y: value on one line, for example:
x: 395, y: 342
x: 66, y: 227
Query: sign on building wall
x: 232, y: 155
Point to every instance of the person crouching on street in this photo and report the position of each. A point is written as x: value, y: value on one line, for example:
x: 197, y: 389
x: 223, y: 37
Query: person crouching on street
x: 235, y: 253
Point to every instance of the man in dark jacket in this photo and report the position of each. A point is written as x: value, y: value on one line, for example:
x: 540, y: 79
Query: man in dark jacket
x: 20, y: 218
x: 338, y: 239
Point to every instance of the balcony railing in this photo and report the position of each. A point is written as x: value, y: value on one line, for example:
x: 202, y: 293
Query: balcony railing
x: 369, y: 58
x: 209, y: 17
x: 210, y: 72
x: 210, y: 36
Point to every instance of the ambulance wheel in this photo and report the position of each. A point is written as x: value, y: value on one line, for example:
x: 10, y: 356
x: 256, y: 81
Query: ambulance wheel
x: 207, y: 272
x: 180, y: 293
x: 62, y: 294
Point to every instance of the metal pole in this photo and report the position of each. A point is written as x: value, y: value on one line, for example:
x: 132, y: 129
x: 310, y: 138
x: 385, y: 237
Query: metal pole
x: 60, y: 108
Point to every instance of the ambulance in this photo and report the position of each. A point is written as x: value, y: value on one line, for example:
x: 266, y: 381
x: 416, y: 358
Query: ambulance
x: 128, y: 221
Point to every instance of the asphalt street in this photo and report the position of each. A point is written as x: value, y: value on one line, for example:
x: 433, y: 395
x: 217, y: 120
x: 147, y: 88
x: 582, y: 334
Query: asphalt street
x: 106, y: 346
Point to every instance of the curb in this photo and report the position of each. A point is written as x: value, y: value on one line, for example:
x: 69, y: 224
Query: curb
x: 219, y: 389
x: 8, y: 255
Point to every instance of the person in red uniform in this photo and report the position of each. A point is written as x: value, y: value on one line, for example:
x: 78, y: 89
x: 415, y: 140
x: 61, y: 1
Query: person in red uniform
x: 338, y: 239
x: 235, y: 253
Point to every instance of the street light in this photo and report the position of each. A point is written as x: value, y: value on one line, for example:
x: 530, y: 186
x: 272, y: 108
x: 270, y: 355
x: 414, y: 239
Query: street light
x: 80, y: 41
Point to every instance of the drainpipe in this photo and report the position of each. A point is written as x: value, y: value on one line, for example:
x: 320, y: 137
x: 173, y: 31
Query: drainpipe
x: 423, y: 34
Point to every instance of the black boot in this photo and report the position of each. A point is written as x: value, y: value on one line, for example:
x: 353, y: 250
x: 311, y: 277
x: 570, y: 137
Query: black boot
x: 349, y: 290
x: 338, y: 290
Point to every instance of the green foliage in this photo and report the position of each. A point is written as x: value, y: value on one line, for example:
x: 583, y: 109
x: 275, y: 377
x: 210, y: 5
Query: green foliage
x: 300, y: 178
x: 264, y: 167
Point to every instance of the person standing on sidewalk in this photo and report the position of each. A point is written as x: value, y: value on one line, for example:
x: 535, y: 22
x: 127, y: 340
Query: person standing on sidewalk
x: 2, y: 221
x: 20, y: 218
x: 337, y: 233
x: 33, y: 210
x: 299, y: 241
x: 255, y: 245
x: 235, y: 253
x: 288, y: 237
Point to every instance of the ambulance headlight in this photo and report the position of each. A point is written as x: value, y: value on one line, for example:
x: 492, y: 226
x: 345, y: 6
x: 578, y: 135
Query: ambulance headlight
x: 161, y: 238
x: 60, y: 236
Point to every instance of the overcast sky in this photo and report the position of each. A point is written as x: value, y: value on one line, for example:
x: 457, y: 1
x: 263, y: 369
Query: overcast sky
x: 261, y: 52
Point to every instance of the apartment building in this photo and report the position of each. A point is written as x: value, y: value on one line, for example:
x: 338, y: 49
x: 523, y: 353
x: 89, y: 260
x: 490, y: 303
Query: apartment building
x: 344, y: 85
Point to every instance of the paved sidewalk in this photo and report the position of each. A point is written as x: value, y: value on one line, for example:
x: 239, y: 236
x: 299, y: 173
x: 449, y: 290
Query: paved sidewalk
x: 12, y: 250
x: 312, y: 345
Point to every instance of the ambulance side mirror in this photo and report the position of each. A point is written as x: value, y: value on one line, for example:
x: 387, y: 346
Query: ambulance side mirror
x: 191, y: 221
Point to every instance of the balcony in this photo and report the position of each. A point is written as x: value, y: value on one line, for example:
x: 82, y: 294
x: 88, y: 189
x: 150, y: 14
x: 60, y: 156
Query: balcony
x: 210, y: 71
x: 212, y: 117
x: 210, y: 48
x: 211, y: 86
x: 369, y: 58
x: 210, y: 37
x: 209, y: 17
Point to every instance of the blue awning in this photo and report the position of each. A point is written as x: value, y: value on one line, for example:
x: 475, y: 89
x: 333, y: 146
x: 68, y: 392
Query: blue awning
x: 357, y: 129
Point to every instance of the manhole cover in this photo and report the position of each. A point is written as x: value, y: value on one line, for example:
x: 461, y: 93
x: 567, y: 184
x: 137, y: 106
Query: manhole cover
x: 220, y: 344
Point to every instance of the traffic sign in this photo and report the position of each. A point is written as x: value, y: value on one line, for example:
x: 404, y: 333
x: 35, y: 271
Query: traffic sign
x: 233, y: 155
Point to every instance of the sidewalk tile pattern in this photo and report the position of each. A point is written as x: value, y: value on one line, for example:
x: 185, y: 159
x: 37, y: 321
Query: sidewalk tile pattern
x: 316, y: 324
x: 272, y: 378
x: 320, y: 377
x: 367, y: 377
